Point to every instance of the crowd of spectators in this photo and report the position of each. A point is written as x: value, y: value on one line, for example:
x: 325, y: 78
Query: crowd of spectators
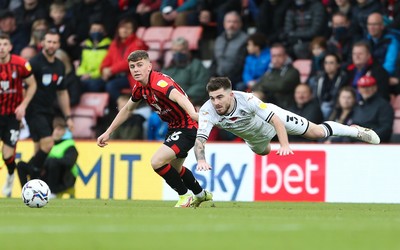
x: 253, y: 42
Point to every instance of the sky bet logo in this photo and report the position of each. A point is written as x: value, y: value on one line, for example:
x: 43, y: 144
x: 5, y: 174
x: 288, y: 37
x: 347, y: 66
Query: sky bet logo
x: 298, y: 177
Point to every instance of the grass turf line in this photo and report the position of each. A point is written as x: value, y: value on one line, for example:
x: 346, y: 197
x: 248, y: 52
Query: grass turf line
x: 116, y: 224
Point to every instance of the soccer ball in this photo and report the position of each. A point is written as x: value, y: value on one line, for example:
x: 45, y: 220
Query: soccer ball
x: 35, y: 193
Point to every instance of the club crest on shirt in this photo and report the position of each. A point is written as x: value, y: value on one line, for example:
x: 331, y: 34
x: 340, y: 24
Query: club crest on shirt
x: 46, y: 79
x: 14, y: 75
x: 162, y: 83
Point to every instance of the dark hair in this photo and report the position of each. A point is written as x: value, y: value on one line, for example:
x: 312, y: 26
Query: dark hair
x: 52, y: 32
x: 336, y: 56
x: 138, y: 55
x: 216, y: 83
x: 258, y: 39
x: 5, y: 36
x: 122, y: 22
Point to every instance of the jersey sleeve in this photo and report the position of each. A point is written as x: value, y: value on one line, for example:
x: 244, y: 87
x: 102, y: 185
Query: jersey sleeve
x: 164, y: 85
x: 136, y: 92
x: 206, y: 123
x: 26, y: 70
x: 260, y: 108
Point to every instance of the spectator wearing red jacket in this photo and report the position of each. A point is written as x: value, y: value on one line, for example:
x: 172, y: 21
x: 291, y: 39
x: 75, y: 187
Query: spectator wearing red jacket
x: 114, y: 69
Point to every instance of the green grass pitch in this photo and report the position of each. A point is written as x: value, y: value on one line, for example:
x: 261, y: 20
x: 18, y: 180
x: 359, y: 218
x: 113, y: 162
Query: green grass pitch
x: 116, y: 224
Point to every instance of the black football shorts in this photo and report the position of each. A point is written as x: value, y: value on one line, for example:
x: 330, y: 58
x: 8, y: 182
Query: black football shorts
x: 181, y: 140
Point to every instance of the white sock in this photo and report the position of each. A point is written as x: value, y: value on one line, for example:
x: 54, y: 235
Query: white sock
x: 337, y: 129
x: 201, y: 194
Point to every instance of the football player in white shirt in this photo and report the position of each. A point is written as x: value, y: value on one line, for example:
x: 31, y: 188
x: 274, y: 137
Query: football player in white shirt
x: 257, y: 122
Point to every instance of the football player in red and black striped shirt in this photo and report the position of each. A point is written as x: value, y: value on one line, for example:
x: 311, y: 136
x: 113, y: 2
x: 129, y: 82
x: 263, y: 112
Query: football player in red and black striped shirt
x: 171, y: 103
x: 13, y: 71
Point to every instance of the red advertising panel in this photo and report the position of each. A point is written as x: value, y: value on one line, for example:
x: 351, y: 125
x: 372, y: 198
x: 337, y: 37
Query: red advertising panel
x: 298, y: 177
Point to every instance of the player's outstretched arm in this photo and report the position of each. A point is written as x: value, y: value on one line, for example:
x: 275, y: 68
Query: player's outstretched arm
x: 282, y: 136
x: 199, y: 146
x: 184, y: 102
x: 121, y: 117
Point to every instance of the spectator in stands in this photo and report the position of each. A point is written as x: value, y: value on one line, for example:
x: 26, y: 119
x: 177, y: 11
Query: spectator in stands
x: 212, y: 12
x: 303, y: 22
x: 62, y: 24
x: 94, y: 51
x: 359, y: 13
x: 343, y: 111
x: 28, y: 52
x: 188, y: 71
x: 363, y: 64
x: 344, y: 7
x: 132, y: 128
x: 271, y: 18
x: 28, y: 12
x: 19, y: 37
x: 305, y: 106
x: 84, y: 13
x: 257, y: 60
x: 173, y: 12
x: 278, y: 83
x: 230, y: 50
x: 373, y: 111
x: 114, y: 69
x: 60, y: 164
x: 393, y: 14
x: 384, y: 44
x: 145, y: 9
x: 326, y: 85
x: 341, y: 41
x: 124, y: 8
x: 39, y: 29
x: 318, y: 48
x: 10, y: 5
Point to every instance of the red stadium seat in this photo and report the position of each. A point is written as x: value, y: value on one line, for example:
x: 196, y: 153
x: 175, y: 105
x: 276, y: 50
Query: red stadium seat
x: 97, y: 101
x: 155, y: 37
x: 140, y: 32
x: 304, y: 67
x: 395, y: 101
x: 191, y: 33
x: 85, y: 120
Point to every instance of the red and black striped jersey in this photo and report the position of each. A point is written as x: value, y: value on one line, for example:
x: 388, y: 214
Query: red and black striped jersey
x: 156, y: 93
x: 11, y: 86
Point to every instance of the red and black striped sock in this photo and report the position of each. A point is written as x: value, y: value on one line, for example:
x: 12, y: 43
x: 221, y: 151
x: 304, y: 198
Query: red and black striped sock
x: 10, y: 163
x: 172, y: 178
x: 189, y: 180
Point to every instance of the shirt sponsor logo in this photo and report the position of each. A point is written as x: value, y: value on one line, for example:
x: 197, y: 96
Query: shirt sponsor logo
x: 162, y: 83
x: 298, y: 177
x: 28, y: 66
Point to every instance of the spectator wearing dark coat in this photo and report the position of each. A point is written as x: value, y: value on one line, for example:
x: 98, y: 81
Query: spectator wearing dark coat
x: 372, y: 110
x: 363, y: 64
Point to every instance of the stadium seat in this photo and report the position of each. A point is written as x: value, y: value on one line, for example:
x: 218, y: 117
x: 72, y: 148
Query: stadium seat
x: 155, y: 37
x: 85, y: 120
x: 304, y: 67
x: 190, y: 33
x: 395, y: 101
x: 97, y: 101
x: 140, y: 32
x: 168, y: 58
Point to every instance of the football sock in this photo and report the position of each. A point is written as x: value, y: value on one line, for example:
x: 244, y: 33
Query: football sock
x: 38, y: 159
x: 337, y: 129
x: 189, y: 180
x: 172, y: 178
x: 10, y: 163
